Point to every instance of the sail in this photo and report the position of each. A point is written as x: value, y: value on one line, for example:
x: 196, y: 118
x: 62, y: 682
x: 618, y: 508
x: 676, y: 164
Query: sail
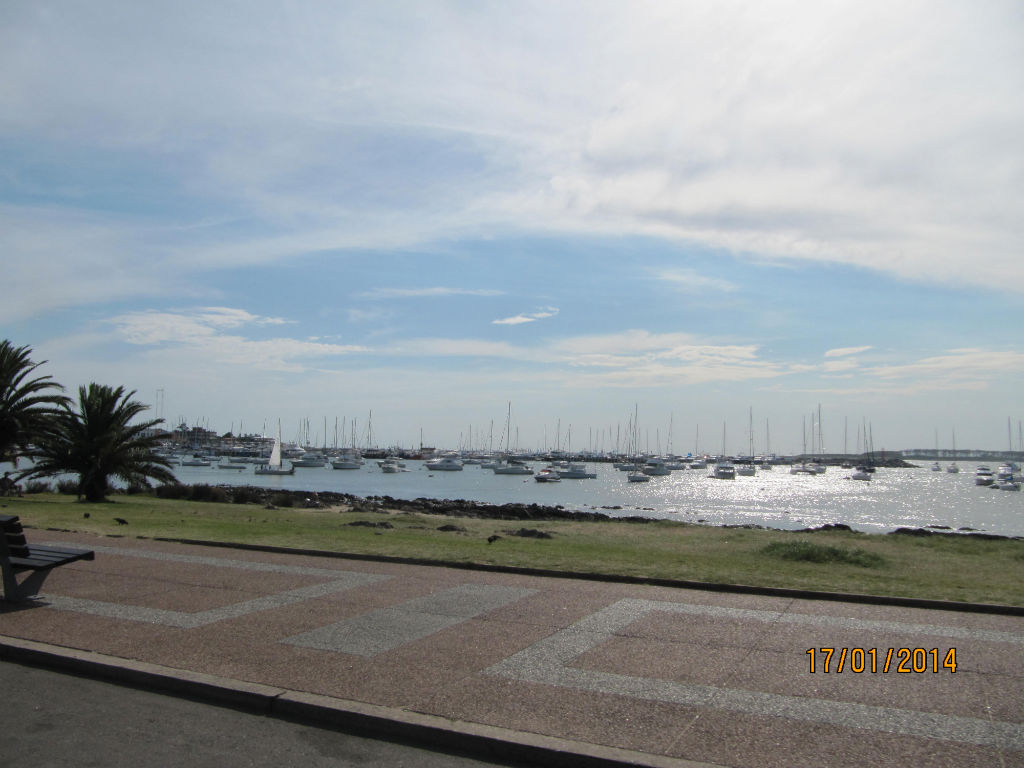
x: 275, y: 454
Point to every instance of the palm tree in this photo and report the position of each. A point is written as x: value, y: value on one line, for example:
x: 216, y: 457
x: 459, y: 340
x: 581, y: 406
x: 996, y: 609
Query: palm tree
x: 99, y: 441
x: 25, y: 402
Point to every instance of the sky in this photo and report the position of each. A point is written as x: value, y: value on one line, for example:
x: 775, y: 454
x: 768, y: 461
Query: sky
x: 399, y: 220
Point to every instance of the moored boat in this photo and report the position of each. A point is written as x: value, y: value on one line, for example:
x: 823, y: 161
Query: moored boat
x: 274, y: 465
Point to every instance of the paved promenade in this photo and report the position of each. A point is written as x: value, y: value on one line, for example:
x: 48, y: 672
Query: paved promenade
x: 533, y: 667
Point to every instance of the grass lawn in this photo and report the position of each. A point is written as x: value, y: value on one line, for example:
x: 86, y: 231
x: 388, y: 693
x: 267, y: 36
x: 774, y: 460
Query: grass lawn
x: 959, y: 568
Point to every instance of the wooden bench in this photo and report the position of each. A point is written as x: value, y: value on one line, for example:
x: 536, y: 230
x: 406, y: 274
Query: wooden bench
x: 16, y: 556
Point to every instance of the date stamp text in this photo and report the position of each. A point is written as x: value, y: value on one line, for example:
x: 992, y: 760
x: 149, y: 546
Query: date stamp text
x: 875, y: 660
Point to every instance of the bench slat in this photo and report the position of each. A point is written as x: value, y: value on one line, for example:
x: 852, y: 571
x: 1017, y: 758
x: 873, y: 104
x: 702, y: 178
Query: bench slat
x: 38, y: 560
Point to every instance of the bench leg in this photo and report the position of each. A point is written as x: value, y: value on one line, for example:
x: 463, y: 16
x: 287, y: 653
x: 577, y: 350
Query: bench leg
x: 29, y: 587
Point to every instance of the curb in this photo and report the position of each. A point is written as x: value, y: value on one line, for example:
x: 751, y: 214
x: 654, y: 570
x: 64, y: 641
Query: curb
x: 429, y: 731
x: 708, y: 586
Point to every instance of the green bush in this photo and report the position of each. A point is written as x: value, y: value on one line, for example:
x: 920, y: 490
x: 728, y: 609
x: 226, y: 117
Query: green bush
x: 282, y: 500
x: 68, y: 487
x: 244, y: 495
x: 810, y: 552
x: 37, y: 486
x: 173, y: 491
x: 204, y: 492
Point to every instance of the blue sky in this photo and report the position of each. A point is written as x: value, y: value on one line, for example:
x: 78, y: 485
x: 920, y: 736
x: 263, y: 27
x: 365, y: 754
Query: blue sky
x: 426, y: 210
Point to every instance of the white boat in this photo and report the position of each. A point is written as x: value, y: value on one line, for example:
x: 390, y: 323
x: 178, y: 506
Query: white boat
x: 698, y: 463
x: 274, y: 466
x: 310, y: 459
x: 507, y: 465
x: 655, y: 467
x: 547, y: 475
x: 576, y: 472
x: 747, y: 468
x: 636, y: 476
x: 1006, y: 478
x: 1006, y: 470
x: 861, y: 473
x: 194, y: 462
x: 953, y: 468
x: 390, y: 466
x: 444, y: 464
x: 984, y: 476
x: 724, y: 470
x: 511, y: 467
x: 936, y: 467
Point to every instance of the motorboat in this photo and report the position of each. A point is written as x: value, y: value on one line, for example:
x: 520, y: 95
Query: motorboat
x: 390, y: 466
x: 547, y: 475
x: 310, y: 459
x: 195, y: 462
x: 1006, y: 479
x: 511, y: 467
x: 936, y: 467
x: 576, y: 472
x: 724, y: 470
x: 444, y: 464
x: 655, y: 468
x: 637, y: 476
x: 984, y: 476
x: 861, y: 473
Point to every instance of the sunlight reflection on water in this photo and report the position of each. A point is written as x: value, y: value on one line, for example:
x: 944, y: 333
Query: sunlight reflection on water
x: 894, y: 498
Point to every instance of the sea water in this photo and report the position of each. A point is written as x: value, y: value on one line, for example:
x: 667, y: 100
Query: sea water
x: 895, y: 498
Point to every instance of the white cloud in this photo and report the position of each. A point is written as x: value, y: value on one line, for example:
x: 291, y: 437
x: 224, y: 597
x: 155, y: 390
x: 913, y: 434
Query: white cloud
x: 527, y: 318
x: 957, y: 367
x: 201, y: 332
x: 845, y: 351
x: 436, y: 291
x: 691, y: 281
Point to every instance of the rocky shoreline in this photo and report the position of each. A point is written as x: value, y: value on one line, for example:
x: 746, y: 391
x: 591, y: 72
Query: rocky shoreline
x: 271, y: 498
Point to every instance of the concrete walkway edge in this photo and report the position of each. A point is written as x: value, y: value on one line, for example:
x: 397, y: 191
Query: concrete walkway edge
x: 481, y: 741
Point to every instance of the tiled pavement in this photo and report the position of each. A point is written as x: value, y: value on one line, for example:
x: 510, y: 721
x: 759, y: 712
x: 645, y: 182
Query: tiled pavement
x: 631, y: 672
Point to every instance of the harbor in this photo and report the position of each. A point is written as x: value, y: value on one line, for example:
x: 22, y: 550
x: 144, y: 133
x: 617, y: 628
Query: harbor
x: 894, y: 497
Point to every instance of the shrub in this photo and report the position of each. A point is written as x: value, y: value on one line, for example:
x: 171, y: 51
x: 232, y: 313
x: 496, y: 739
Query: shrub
x: 135, y: 489
x: 244, y: 495
x: 201, y: 492
x: 281, y: 500
x: 810, y: 552
x: 172, y: 491
x: 204, y: 492
x: 68, y: 487
x: 37, y: 486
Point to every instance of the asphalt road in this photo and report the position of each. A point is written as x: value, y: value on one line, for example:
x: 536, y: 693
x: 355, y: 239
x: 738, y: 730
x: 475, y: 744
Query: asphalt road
x: 54, y: 719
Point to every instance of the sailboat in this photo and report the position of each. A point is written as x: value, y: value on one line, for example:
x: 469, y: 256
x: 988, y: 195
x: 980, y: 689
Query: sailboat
x: 507, y: 465
x: 275, y: 466
x: 747, y: 468
x: 724, y: 468
x: 952, y: 467
x: 636, y: 475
